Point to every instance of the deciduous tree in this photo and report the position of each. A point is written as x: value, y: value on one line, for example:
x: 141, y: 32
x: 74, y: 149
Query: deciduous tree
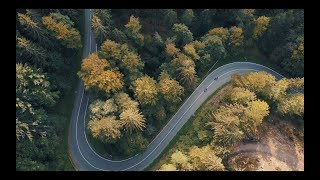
x: 253, y: 116
x: 133, y: 30
x: 191, y: 51
x: 107, y: 129
x: 170, y: 88
x: 100, y: 109
x: 171, y: 49
x: 296, y: 83
x: 132, y: 62
x: 214, y: 47
x: 277, y: 90
x: 236, y: 36
x: 61, y: 30
x: 179, y: 159
x: 145, y: 90
x: 253, y: 81
x: 124, y: 102
x: 221, y: 32
x: 204, y: 159
x: 132, y: 119
x: 226, y: 125
x: 292, y: 104
x: 240, y: 95
x: 93, y: 74
x: 168, y: 167
x: 261, y: 25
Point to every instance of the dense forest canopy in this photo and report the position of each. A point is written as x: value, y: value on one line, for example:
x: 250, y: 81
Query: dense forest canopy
x: 237, y: 116
x: 148, y: 62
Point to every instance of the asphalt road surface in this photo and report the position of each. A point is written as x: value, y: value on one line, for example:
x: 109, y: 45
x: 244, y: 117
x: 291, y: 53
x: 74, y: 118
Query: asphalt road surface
x: 83, y: 156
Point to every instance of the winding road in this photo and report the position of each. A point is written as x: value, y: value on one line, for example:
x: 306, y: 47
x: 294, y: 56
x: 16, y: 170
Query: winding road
x: 85, y: 158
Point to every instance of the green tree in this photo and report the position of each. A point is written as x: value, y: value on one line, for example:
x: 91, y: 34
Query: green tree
x: 170, y: 17
x: 205, y: 19
x: 214, y: 47
x: 105, y: 16
x: 33, y: 94
x: 183, y: 34
x: 73, y: 14
x: 133, y: 144
x: 118, y: 36
x: 99, y: 31
x: 32, y: 27
x: 29, y: 51
x: 185, y: 67
x: 187, y: 17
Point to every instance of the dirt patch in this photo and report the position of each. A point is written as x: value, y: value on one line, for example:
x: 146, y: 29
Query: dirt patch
x: 279, y: 148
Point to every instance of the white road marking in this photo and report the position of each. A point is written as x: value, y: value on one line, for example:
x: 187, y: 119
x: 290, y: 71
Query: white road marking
x: 77, y: 135
x: 163, y: 128
x: 262, y: 66
x: 166, y: 134
x: 179, y: 121
x: 232, y: 71
x: 85, y: 135
x: 90, y: 44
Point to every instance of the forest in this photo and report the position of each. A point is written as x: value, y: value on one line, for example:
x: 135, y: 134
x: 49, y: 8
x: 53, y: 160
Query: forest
x: 148, y: 62
x: 236, y: 116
